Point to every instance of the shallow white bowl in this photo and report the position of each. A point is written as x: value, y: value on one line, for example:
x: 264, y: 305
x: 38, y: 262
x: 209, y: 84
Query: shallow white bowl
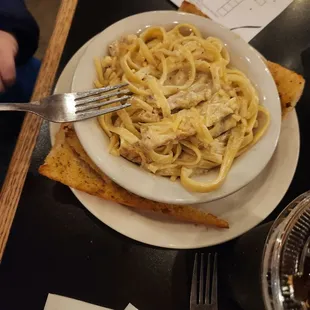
x: 135, y: 179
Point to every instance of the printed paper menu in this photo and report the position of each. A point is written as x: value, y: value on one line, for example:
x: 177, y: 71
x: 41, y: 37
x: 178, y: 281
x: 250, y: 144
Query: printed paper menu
x: 245, y: 17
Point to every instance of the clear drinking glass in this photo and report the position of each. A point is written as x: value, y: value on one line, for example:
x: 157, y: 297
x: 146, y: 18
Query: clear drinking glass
x: 270, y: 265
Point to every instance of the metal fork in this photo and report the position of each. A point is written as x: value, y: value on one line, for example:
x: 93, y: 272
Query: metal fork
x: 206, y: 297
x: 72, y: 107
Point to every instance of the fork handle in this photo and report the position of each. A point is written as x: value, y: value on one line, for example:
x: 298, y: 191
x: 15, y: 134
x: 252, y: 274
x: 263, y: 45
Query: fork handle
x: 33, y: 107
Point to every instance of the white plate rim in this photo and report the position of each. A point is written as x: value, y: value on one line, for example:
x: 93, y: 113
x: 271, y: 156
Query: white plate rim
x: 174, y: 192
x: 140, y: 236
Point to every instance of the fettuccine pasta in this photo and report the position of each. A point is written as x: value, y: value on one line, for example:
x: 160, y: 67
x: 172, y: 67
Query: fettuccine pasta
x: 191, y: 111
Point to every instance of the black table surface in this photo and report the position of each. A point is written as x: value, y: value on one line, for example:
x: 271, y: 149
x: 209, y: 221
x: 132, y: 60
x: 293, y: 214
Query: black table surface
x: 57, y: 246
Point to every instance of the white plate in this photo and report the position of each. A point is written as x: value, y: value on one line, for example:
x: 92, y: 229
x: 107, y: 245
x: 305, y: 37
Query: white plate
x: 143, y: 183
x: 244, y: 209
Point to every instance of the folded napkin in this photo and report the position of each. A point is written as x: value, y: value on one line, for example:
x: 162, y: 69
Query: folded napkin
x: 57, y: 302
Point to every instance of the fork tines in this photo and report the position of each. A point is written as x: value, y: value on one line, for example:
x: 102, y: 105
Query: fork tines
x: 94, y: 99
x: 96, y: 91
x: 204, y: 283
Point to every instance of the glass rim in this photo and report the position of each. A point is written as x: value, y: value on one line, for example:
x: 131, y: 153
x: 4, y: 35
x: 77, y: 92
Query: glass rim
x: 275, y: 292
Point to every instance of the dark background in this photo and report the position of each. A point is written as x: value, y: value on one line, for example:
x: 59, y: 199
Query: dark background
x: 57, y: 246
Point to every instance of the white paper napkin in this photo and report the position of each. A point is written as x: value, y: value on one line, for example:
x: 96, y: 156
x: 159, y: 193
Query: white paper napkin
x: 240, y: 13
x: 131, y: 307
x: 57, y: 302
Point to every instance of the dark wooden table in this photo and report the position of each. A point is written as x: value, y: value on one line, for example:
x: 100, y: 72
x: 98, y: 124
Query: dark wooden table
x: 57, y: 246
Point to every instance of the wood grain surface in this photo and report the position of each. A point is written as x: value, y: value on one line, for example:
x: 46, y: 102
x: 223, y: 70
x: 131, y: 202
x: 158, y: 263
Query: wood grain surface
x: 15, y: 178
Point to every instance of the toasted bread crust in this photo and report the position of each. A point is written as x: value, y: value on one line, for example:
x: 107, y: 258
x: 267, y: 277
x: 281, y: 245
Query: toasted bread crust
x: 290, y: 86
x: 69, y: 164
x: 191, y: 8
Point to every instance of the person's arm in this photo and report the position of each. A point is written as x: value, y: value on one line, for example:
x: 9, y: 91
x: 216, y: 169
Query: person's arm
x: 16, y: 19
x: 19, y: 36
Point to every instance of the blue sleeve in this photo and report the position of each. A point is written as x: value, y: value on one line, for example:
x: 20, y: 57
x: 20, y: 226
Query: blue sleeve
x: 16, y: 19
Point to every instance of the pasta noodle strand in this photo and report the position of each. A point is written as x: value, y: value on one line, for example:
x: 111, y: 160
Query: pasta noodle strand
x: 191, y: 110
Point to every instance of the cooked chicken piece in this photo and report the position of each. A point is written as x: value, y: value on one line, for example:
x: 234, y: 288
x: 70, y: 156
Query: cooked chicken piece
x: 190, y: 98
x: 114, y: 48
x: 156, y: 135
x: 224, y: 137
x: 217, y: 149
x: 129, y: 152
x: 217, y: 111
x: 223, y: 126
x: 152, y: 138
x: 146, y: 71
x: 220, y: 96
x: 121, y: 46
x: 145, y: 117
x: 178, y: 78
